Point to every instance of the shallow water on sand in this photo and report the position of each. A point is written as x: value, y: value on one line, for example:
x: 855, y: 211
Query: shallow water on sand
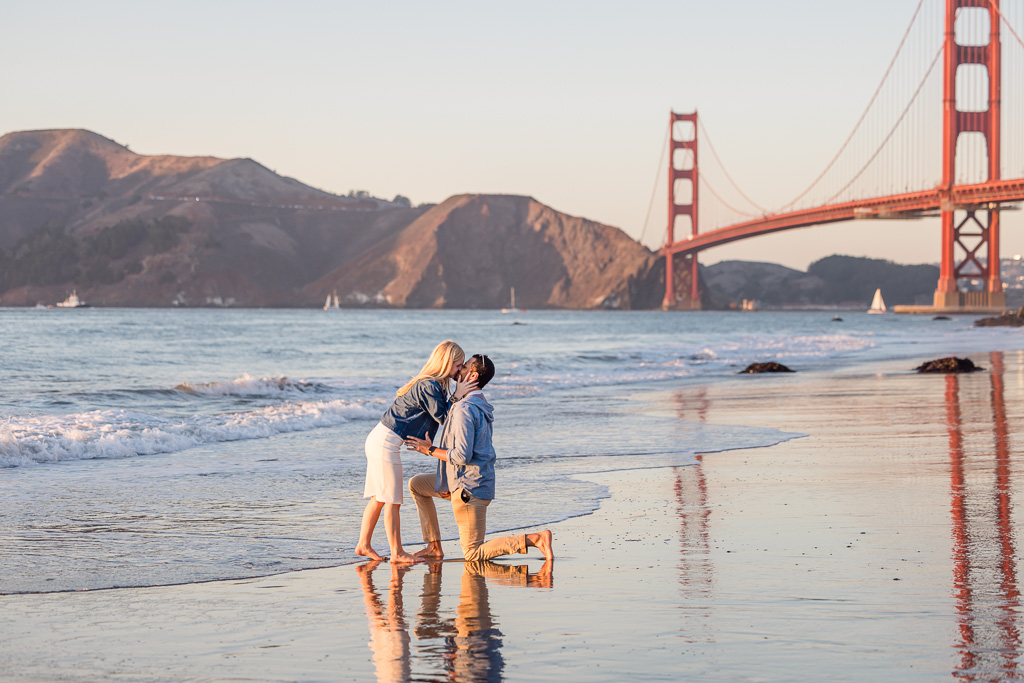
x: 147, y: 447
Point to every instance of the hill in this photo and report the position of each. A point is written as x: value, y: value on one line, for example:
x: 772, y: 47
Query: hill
x: 468, y: 251
x: 831, y: 281
x: 769, y: 284
x: 79, y: 211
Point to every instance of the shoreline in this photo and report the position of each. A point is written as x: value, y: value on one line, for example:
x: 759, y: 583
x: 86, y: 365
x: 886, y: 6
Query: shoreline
x: 860, y: 550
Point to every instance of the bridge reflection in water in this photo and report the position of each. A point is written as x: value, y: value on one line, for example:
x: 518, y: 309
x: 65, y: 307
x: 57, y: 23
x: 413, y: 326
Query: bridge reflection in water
x: 979, y: 597
x: 438, y: 645
x: 696, y: 570
x: 984, y: 543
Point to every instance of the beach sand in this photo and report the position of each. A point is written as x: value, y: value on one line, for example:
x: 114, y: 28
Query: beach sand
x: 879, y: 546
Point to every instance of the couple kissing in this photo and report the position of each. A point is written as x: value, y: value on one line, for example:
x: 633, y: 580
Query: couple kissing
x: 465, y: 461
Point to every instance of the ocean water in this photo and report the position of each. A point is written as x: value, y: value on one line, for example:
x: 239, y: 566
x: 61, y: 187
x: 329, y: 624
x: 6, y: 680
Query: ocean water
x: 150, y: 447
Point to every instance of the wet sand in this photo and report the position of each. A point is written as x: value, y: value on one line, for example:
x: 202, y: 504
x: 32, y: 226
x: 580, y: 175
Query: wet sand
x: 880, y: 546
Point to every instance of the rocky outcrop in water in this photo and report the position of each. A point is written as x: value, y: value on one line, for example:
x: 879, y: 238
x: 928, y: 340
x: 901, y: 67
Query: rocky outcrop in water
x: 757, y: 368
x: 1008, y: 319
x: 949, y: 365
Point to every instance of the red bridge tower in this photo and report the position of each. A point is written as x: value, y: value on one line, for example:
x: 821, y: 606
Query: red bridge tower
x: 966, y: 230
x: 682, y: 201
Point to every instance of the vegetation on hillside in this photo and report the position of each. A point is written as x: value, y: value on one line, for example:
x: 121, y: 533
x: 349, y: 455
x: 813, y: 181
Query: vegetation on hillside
x: 50, y: 256
x: 848, y: 278
x: 831, y: 281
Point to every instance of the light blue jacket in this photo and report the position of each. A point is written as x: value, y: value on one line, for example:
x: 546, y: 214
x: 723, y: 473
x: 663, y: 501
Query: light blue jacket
x: 467, y: 436
x: 418, y: 412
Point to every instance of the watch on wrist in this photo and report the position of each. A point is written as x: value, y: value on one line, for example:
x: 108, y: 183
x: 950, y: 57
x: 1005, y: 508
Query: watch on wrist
x: 430, y: 451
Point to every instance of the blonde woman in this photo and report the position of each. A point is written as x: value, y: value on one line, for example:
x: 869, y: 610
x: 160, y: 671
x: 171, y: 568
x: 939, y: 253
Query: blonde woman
x: 419, y: 407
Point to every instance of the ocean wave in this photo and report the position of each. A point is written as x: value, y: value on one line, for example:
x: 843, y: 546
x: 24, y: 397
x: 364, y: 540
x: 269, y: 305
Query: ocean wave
x: 255, y: 387
x: 634, y: 365
x: 122, y: 433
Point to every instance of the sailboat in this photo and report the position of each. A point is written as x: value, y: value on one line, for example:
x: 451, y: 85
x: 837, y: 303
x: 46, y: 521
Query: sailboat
x: 512, y: 301
x: 877, y: 304
x: 332, y: 301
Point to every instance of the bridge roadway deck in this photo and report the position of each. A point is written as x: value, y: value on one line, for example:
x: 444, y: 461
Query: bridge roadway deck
x: 906, y: 205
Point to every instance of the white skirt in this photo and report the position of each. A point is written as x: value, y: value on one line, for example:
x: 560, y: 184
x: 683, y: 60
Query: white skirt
x: 383, y: 466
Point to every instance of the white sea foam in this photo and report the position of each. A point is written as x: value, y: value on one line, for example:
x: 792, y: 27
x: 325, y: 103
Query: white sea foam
x: 123, y: 433
x: 247, y: 385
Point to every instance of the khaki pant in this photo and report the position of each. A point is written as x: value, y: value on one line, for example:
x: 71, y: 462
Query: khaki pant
x: 470, y: 516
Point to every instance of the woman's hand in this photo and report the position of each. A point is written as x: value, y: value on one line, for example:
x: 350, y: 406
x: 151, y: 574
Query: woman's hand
x: 416, y: 444
x: 463, y: 387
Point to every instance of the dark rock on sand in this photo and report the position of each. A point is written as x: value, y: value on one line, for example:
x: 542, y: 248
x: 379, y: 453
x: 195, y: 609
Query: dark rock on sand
x: 951, y: 364
x: 1008, y: 319
x: 755, y: 368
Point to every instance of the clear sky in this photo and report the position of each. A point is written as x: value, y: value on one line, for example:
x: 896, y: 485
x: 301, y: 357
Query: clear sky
x: 564, y: 101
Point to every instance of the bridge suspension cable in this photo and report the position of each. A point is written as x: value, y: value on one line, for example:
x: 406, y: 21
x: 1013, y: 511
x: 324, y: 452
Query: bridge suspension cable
x: 657, y: 180
x: 702, y: 178
x: 707, y: 139
x: 860, y: 121
x: 888, y: 137
x: 1006, y: 21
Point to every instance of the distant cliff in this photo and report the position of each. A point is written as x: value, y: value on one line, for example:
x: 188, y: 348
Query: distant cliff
x: 79, y: 211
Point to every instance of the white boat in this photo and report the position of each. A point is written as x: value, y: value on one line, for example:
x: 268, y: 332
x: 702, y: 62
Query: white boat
x: 512, y: 301
x: 877, y: 304
x: 72, y: 301
x: 332, y: 301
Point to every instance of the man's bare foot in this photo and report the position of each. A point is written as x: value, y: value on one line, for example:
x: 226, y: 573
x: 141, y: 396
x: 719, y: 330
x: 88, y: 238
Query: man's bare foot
x: 404, y: 558
x: 367, y: 551
x: 433, y: 551
x: 542, y: 542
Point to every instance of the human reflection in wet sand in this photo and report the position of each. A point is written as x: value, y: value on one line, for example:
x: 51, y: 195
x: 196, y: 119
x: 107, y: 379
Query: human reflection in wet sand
x: 389, y: 632
x: 984, y: 554
x: 465, y: 646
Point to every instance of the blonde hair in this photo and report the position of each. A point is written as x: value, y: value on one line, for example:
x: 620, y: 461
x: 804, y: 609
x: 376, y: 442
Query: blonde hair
x: 438, y: 366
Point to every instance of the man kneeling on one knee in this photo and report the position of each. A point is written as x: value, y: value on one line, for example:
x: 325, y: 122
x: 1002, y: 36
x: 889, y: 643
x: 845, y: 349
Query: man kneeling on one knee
x: 465, y: 475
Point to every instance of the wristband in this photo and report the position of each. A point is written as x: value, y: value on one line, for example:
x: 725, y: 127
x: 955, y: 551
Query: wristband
x: 430, y: 451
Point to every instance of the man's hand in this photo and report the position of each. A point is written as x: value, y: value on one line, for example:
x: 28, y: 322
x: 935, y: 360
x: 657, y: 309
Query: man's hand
x: 420, y: 445
x: 445, y: 494
x: 464, y: 386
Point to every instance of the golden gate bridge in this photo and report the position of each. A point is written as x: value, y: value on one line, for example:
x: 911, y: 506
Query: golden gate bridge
x: 956, y: 77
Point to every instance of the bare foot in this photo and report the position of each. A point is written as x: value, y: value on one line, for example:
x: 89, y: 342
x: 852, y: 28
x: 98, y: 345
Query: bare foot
x: 404, y: 558
x: 542, y: 541
x: 430, y: 553
x: 367, y: 551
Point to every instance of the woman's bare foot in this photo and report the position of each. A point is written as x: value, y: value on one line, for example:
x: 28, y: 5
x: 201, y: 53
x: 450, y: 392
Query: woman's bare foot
x: 433, y: 551
x: 542, y: 542
x: 367, y: 551
x: 404, y: 558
